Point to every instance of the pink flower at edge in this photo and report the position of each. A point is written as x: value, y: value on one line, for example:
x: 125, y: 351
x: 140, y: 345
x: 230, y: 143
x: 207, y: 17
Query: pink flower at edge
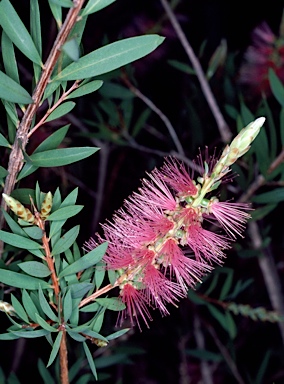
x: 231, y: 216
x: 136, y: 305
x: 206, y: 244
x: 177, y: 176
x: 160, y: 290
x: 187, y: 271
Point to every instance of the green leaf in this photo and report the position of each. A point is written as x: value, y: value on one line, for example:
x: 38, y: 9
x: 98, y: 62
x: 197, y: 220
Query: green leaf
x: 276, y: 86
x: 71, y: 49
x: 85, y: 89
x: 63, y: 3
x: 29, y: 305
x: 35, y: 268
x: 80, y: 289
x: 17, y: 32
x: 110, y: 57
x: 45, y: 306
x: 34, y: 232
x: 270, y: 197
x: 44, y: 324
x: 9, y: 59
x: 8, y: 336
x: 65, y: 212
x: 15, y: 227
x: 31, y: 334
x: 87, y: 261
x: 3, y: 172
x: 226, y: 285
x: 90, y: 360
x: 62, y: 110
x: 55, y: 348
x: 19, y: 241
x: 95, y: 6
x: 12, y: 91
x: 112, y: 303
x: 18, y: 280
x: 35, y: 25
x: 4, y: 142
x: 23, y: 195
x: 19, y: 309
x: 52, y: 142
x: 61, y: 156
x: 90, y: 308
x: 203, y: 354
x: 117, y: 334
x: 45, y: 374
x: 67, y: 305
x: 66, y: 240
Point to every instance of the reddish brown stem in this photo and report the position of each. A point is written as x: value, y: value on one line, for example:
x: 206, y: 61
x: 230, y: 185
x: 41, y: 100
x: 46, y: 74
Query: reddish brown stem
x: 63, y: 358
x: 97, y: 294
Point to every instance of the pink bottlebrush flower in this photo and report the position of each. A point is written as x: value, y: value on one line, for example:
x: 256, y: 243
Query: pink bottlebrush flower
x: 266, y: 51
x: 231, y: 216
x: 160, y: 290
x: 155, y: 193
x: 186, y: 270
x: 136, y: 305
x: 176, y: 175
x: 206, y: 244
x: 157, y: 242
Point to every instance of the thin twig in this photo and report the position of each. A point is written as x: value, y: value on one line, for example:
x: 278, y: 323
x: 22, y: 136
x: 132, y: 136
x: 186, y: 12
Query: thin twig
x: 97, y: 294
x: 225, y: 353
x: 206, y: 371
x: 221, y: 123
x: 155, y: 109
x: 270, y: 275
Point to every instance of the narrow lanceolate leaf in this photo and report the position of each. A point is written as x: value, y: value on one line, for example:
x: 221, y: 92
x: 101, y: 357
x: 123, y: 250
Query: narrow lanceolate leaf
x: 55, y: 349
x: 62, y: 110
x: 19, y: 309
x: 51, y: 142
x: 9, y: 59
x: 12, y: 91
x: 35, y: 268
x: 66, y: 240
x: 65, y: 212
x: 61, y: 156
x: 31, y: 334
x: 4, y: 142
x: 29, y: 305
x: 19, y: 280
x: 35, y: 25
x: 67, y: 305
x: 276, y: 86
x: 85, y: 89
x: 19, y: 241
x: 44, y: 324
x: 17, y: 32
x: 86, y: 261
x: 117, y: 334
x: 45, y: 306
x: 110, y: 57
x: 90, y: 360
x: 95, y: 6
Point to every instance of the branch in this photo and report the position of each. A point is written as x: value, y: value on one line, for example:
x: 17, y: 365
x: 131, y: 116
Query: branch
x: 16, y: 157
x: 221, y: 123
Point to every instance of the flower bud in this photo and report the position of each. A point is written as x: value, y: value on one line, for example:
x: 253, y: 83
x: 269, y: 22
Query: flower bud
x: 46, y: 206
x: 7, y: 308
x: 18, y: 208
x: 238, y: 147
